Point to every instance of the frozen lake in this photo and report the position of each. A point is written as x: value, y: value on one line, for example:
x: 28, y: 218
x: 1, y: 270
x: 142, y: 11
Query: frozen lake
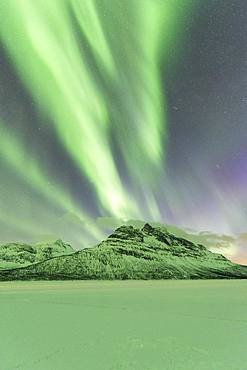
x: 123, y: 325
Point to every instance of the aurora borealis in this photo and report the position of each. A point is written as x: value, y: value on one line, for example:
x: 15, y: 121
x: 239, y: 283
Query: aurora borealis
x: 125, y: 109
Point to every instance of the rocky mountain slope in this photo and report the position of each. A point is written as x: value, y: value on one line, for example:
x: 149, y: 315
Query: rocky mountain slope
x: 132, y: 253
x: 20, y: 254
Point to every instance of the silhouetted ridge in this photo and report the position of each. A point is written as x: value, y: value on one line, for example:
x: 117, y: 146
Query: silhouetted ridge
x: 133, y: 253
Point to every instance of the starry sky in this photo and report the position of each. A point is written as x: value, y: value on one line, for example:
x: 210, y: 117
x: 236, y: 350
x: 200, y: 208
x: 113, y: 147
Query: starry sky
x: 123, y: 110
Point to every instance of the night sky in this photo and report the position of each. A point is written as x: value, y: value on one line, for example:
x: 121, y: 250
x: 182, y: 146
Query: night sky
x: 122, y: 110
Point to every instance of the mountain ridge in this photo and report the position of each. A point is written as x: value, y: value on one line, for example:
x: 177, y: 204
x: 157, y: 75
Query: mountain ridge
x: 133, y: 253
x: 15, y: 254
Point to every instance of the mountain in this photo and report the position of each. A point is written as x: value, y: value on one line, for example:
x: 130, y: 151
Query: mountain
x: 218, y: 243
x: 132, y: 253
x: 20, y: 254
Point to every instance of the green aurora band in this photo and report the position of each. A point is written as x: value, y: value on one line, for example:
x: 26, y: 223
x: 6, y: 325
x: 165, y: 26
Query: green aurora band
x: 16, y: 155
x: 93, y: 70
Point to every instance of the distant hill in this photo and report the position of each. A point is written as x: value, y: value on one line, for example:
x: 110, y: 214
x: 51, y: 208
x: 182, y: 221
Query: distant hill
x: 134, y: 253
x: 20, y: 254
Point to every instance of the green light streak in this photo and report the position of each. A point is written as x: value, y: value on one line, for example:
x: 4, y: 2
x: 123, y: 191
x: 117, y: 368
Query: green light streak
x: 18, y: 157
x: 98, y: 78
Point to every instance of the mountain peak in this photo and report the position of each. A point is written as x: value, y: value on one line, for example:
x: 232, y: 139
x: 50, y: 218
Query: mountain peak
x: 21, y: 254
x: 134, y: 253
x: 127, y: 232
x: 147, y: 228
